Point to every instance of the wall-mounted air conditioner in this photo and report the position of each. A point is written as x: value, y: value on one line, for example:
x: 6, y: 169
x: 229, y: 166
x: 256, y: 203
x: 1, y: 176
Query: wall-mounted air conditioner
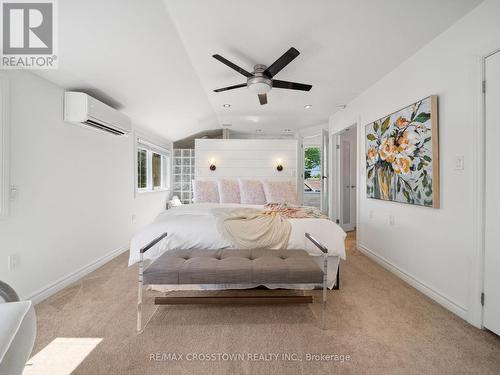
x: 80, y: 108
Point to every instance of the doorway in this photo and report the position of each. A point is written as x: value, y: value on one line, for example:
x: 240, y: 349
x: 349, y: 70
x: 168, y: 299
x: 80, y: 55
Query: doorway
x: 491, y: 301
x: 315, y: 187
x: 345, y: 187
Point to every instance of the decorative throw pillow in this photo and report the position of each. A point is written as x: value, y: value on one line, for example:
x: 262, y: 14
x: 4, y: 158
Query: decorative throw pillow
x: 229, y: 191
x: 205, y: 191
x: 280, y: 191
x: 251, y: 192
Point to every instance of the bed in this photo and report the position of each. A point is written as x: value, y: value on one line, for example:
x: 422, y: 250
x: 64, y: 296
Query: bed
x: 195, y: 226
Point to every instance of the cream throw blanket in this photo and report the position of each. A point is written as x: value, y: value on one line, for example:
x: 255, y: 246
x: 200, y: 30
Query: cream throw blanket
x: 249, y: 228
x: 268, y: 228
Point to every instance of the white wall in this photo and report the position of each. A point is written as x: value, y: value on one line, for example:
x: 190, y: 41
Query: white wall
x: 246, y: 158
x: 434, y: 249
x: 75, y: 199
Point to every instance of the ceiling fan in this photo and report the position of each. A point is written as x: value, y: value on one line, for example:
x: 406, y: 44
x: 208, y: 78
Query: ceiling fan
x: 261, y: 79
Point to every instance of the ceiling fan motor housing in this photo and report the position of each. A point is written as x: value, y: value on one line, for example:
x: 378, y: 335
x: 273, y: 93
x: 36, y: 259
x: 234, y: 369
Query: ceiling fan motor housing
x: 259, y: 83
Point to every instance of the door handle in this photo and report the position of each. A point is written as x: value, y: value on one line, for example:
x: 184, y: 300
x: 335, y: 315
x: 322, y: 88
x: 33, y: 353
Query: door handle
x: 353, y: 186
x: 324, y: 177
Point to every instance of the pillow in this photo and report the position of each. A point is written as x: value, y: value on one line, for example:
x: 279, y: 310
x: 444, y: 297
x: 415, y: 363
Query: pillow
x: 205, y: 191
x: 251, y: 192
x: 280, y: 191
x: 229, y: 191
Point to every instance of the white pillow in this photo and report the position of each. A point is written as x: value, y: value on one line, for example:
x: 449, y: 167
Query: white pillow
x: 229, y: 191
x: 280, y: 191
x: 205, y: 192
x: 251, y: 192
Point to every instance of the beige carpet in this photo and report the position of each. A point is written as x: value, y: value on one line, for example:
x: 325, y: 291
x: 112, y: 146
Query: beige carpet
x: 384, y: 325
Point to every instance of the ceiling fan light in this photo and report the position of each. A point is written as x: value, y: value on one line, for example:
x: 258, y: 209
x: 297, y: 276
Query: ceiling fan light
x: 259, y: 87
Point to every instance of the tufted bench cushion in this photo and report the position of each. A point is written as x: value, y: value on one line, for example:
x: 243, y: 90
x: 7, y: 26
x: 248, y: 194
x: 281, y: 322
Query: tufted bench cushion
x: 254, y: 266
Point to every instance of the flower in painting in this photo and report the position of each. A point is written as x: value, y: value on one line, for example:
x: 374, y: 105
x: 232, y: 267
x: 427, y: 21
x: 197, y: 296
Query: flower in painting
x: 387, y: 150
x: 401, y: 122
x: 407, y: 142
x: 401, y: 164
x: 372, y: 154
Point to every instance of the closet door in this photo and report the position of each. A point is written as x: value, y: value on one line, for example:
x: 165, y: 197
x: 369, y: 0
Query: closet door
x: 347, y: 156
x: 492, y: 206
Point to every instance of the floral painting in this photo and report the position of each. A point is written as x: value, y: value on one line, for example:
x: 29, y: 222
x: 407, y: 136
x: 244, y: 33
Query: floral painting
x: 402, y: 155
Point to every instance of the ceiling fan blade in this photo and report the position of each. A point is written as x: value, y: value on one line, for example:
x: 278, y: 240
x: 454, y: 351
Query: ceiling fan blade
x: 231, y: 87
x: 283, y: 61
x: 232, y: 65
x: 291, y: 85
x: 262, y: 99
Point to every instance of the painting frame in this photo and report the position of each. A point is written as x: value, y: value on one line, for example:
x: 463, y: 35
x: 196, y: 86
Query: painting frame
x: 402, y: 155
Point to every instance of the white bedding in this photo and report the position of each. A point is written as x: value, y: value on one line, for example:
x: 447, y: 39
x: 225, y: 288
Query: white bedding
x: 195, y: 226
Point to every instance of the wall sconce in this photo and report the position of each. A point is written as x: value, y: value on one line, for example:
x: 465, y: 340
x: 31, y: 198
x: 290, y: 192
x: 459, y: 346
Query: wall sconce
x: 212, y: 164
x: 279, y: 165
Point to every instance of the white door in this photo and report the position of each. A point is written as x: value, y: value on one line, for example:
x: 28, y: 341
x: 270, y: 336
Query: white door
x: 324, y: 171
x: 492, y: 206
x: 347, y: 179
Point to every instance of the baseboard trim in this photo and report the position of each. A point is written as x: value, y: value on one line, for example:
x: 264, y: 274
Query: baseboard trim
x: 421, y: 286
x: 63, y: 282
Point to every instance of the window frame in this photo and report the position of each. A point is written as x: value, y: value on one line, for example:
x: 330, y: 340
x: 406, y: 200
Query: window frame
x: 165, y: 168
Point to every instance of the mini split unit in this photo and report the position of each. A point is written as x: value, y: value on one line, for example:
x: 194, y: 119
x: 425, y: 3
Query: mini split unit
x: 82, y: 109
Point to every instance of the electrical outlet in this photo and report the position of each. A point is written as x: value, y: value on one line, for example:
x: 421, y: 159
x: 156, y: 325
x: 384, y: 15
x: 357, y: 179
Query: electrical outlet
x: 134, y: 218
x: 13, y: 261
x: 392, y: 220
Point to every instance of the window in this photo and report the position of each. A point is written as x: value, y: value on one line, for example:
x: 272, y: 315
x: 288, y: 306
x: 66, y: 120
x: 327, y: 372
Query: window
x: 153, y: 167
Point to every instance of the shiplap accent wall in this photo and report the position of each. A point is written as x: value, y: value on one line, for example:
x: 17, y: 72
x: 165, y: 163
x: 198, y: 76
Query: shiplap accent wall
x: 246, y: 158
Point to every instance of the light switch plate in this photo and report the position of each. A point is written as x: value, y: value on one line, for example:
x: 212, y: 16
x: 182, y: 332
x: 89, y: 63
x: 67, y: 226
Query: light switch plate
x: 459, y: 163
x: 392, y: 220
x: 13, y: 261
x: 13, y: 192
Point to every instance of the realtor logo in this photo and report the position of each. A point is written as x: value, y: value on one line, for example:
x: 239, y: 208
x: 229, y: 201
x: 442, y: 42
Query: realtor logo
x: 28, y: 34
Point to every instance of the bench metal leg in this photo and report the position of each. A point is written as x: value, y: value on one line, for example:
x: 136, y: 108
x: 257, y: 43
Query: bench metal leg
x: 337, y: 282
x: 139, y: 297
x: 325, y: 288
x: 141, y: 279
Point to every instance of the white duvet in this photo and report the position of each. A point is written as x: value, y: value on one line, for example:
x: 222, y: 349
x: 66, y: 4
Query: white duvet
x: 194, y: 226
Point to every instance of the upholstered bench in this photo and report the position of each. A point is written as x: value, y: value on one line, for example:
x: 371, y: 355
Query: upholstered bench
x: 232, y: 267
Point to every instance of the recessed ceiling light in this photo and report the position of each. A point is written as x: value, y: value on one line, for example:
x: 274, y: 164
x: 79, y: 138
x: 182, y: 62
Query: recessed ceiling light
x: 308, y: 106
x: 226, y: 125
x: 341, y: 106
x: 226, y: 105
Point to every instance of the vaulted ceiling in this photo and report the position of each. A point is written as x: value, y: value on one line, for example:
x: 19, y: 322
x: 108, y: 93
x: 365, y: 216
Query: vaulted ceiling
x: 153, y: 59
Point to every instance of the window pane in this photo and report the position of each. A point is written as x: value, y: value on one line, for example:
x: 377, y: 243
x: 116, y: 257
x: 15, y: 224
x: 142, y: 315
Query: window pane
x: 165, y: 160
x: 156, y: 170
x: 142, y: 169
